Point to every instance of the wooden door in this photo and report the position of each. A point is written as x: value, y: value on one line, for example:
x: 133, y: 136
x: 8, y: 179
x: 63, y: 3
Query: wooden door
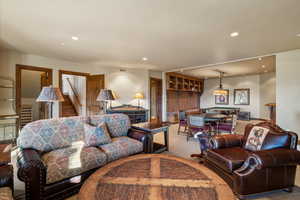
x: 155, y: 99
x: 94, y: 84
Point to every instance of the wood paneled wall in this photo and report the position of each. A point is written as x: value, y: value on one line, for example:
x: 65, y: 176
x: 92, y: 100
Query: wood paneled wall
x: 181, y: 100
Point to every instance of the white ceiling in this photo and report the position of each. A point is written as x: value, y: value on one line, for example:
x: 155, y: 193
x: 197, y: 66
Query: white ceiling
x: 247, y: 67
x: 170, y: 33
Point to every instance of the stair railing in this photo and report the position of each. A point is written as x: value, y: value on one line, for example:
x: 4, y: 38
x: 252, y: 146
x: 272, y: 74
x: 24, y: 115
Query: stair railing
x: 77, y: 102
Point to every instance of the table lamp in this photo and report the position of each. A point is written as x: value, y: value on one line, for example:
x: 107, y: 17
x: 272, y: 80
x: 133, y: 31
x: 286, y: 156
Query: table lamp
x: 138, y: 96
x: 104, y: 96
x: 49, y: 95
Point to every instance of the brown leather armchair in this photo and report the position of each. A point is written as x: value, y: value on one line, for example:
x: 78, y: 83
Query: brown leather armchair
x: 249, y: 172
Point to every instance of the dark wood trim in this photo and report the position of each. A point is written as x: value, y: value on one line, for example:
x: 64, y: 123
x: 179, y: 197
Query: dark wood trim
x: 155, y: 79
x: 33, y: 68
x: 18, y: 77
x: 74, y: 73
x: 60, y: 73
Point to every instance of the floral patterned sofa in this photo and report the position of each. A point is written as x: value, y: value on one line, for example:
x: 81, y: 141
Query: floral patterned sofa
x: 54, y: 159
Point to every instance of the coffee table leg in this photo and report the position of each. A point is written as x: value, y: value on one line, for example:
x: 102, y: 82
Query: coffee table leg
x: 166, y: 134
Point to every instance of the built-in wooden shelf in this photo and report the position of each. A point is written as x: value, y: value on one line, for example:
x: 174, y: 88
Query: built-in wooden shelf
x: 180, y: 82
x: 183, y: 93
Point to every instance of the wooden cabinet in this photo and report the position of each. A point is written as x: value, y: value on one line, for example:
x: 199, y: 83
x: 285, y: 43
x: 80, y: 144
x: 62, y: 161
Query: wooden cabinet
x: 181, y: 82
x: 183, y: 93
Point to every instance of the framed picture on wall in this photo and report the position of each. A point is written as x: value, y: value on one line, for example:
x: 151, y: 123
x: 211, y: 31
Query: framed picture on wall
x: 242, y: 96
x: 222, y: 99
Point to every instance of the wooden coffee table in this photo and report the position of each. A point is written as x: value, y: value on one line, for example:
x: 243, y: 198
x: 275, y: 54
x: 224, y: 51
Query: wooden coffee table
x: 154, y: 177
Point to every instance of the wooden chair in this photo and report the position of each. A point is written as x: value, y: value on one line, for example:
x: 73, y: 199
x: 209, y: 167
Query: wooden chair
x: 196, y: 124
x: 182, y: 122
x: 228, y: 127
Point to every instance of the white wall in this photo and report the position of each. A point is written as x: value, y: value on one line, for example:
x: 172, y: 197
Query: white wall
x: 126, y: 84
x: 133, y: 80
x: 288, y: 90
x: 262, y: 91
x: 267, y: 93
x: 208, y: 99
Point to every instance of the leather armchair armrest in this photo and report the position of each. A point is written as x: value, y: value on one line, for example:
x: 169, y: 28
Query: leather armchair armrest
x: 29, y: 163
x: 226, y: 141
x: 274, y: 158
x: 141, y: 136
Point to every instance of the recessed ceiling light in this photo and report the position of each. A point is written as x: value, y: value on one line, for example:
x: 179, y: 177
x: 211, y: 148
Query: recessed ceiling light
x: 263, y: 66
x: 298, y: 35
x: 234, y: 34
x: 62, y: 44
x: 259, y: 59
x: 144, y: 59
x: 75, y: 38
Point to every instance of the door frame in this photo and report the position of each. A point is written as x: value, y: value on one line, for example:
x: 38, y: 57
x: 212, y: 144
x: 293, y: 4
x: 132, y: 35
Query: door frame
x: 60, y: 74
x: 18, y: 77
x: 155, y: 79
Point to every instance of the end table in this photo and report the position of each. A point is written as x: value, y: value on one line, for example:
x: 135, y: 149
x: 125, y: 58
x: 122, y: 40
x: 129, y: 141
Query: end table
x: 153, y: 128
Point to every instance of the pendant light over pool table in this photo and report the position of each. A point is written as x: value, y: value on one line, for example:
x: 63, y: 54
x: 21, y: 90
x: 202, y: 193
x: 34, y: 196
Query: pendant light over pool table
x: 220, y: 90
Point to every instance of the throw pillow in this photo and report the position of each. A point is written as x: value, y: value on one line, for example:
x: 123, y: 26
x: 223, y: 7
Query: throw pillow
x: 96, y: 135
x: 256, y: 138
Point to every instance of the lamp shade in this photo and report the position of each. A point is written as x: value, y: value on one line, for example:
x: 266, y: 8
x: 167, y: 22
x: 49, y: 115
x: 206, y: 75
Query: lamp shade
x: 50, y: 94
x: 220, y: 91
x: 105, y: 95
x: 138, y: 95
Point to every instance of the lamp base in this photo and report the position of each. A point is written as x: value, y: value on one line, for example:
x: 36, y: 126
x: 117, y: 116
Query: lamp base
x: 50, y: 110
x: 104, y: 107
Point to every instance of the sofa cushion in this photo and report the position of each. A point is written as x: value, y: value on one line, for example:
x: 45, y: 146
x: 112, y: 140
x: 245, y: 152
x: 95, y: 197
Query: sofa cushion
x: 121, y: 147
x: 71, y: 161
x: 270, y: 137
x: 256, y: 138
x: 96, y: 135
x: 228, y: 159
x: 117, y: 124
x: 51, y: 134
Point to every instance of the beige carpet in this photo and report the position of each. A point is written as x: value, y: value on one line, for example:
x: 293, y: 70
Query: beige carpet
x: 179, y: 146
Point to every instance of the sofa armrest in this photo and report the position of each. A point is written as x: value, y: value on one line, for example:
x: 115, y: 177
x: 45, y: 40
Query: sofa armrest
x: 32, y: 171
x: 275, y: 158
x: 226, y: 141
x: 141, y: 136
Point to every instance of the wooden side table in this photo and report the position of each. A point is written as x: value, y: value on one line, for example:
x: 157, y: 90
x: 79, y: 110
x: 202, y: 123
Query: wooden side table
x: 153, y: 128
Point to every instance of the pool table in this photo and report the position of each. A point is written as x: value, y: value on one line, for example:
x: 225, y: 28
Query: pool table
x: 223, y: 110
